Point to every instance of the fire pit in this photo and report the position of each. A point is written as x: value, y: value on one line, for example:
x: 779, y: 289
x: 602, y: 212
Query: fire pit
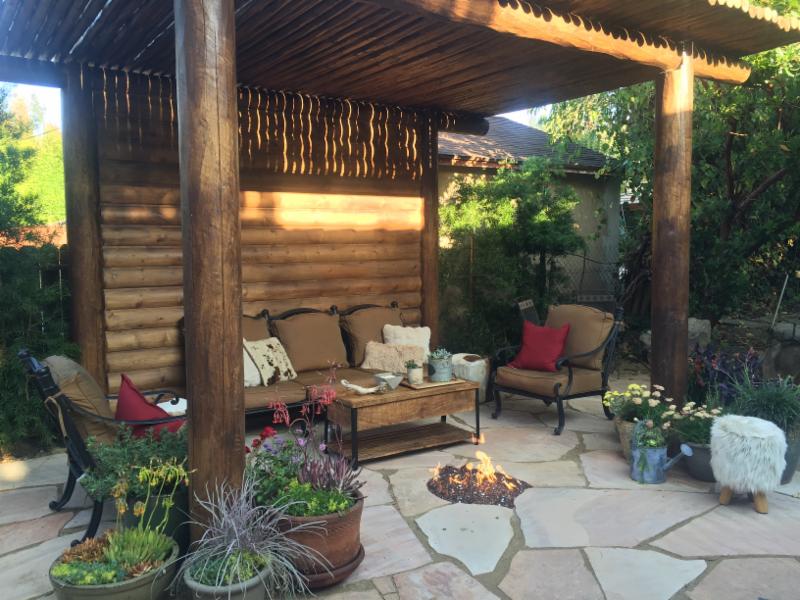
x: 481, y: 483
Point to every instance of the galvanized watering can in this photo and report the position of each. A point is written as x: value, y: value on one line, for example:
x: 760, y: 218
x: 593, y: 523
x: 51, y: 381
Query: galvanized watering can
x: 650, y: 465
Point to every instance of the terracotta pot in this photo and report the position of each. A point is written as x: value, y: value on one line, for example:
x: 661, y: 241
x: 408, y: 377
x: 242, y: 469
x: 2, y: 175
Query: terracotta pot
x: 340, y: 545
x: 625, y: 432
x: 150, y: 586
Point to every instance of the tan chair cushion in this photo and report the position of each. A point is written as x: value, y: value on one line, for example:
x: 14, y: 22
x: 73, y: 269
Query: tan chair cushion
x: 542, y: 383
x: 588, y: 328
x: 254, y: 328
x: 287, y: 392
x: 312, y: 340
x: 83, y: 391
x: 366, y: 325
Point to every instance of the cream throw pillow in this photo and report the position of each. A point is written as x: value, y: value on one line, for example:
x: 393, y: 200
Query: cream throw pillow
x: 252, y: 378
x: 408, y: 336
x: 271, y: 360
x: 391, y: 357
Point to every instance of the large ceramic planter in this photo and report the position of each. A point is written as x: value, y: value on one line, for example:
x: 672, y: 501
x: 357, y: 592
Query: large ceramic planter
x: 625, y: 433
x: 150, y: 586
x: 252, y: 589
x: 699, y: 463
x: 177, y: 523
x: 339, y: 545
x: 792, y: 458
x: 648, y: 464
x: 440, y: 369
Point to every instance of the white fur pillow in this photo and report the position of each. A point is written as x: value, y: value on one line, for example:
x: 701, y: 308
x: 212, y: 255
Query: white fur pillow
x: 271, y: 360
x: 409, y: 336
x: 390, y: 357
x: 252, y: 378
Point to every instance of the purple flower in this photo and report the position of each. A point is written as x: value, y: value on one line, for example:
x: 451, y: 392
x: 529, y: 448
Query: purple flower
x: 322, y: 447
x: 301, y: 442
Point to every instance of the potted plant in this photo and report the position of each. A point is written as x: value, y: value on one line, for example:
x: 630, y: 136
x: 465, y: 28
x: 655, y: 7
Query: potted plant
x: 692, y: 425
x: 776, y: 400
x: 440, y: 365
x: 128, y: 562
x: 112, y: 472
x: 317, y: 487
x: 631, y: 406
x: 246, y: 550
x: 414, y: 372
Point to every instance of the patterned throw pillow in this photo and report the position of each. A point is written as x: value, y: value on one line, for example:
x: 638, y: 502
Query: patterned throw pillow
x: 408, y: 336
x: 252, y: 377
x: 391, y: 357
x: 271, y: 360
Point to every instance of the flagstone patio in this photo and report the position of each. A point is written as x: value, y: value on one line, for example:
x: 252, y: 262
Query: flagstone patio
x: 583, y: 531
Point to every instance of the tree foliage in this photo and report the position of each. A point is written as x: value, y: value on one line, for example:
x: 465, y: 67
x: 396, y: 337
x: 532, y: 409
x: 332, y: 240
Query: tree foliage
x: 502, y: 236
x: 745, y: 180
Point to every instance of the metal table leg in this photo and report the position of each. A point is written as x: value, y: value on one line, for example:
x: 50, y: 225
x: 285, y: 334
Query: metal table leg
x: 477, y: 415
x: 354, y: 437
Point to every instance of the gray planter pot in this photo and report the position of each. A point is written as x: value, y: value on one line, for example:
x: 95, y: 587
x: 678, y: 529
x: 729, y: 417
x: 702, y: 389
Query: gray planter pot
x: 699, y: 463
x: 252, y: 589
x: 792, y: 458
x: 440, y: 369
x: 150, y: 586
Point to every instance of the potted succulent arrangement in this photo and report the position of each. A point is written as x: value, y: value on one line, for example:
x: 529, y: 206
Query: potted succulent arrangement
x: 317, y: 487
x: 414, y: 372
x: 112, y: 472
x: 634, y: 404
x: 440, y: 365
x: 776, y: 400
x: 129, y: 563
x: 246, y: 551
x: 692, y: 425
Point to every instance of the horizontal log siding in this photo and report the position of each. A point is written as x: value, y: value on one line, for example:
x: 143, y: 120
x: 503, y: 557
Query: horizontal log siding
x: 314, y: 239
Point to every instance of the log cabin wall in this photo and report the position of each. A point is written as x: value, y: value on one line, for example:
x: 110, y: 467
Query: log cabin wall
x: 332, y: 212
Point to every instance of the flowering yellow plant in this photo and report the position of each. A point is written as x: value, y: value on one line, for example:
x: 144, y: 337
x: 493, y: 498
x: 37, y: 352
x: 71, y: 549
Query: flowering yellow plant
x: 693, y: 421
x: 637, y: 402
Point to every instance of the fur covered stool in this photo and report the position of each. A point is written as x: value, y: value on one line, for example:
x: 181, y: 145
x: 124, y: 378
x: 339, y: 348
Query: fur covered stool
x: 747, y: 455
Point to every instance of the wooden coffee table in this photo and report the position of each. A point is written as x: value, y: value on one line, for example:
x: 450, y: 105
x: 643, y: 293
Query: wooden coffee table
x: 379, y: 424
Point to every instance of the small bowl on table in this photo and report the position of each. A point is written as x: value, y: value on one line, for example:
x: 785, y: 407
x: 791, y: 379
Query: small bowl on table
x: 392, y: 380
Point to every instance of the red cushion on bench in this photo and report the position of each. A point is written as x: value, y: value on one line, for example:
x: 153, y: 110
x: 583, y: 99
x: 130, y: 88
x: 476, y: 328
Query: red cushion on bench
x: 541, y: 347
x: 133, y: 406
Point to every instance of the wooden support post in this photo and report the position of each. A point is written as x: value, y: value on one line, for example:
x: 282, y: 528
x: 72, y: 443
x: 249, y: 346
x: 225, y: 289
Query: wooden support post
x: 82, y: 192
x: 212, y: 280
x: 672, y: 189
x: 430, y: 227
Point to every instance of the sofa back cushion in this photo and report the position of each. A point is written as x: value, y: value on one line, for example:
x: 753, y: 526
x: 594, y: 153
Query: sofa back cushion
x: 366, y: 325
x: 270, y: 361
x: 409, y: 336
x: 588, y: 328
x: 312, y: 340
x: 391, y: 357
x: 254, y: 328
x: 83, y: 391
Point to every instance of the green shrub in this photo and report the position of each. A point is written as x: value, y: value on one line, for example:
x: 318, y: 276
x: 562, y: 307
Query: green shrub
x: 236, y: 567
x: 304, y: 501
x: 776, y: 400
x: 88, y: 573
x: 131, y: 547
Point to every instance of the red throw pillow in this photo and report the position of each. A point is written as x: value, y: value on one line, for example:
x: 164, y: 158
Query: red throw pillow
x: 541, y: 347
x: 133, y: 406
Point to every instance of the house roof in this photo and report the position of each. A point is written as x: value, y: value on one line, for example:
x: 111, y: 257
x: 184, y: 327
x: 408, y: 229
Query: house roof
x: 508, y: 140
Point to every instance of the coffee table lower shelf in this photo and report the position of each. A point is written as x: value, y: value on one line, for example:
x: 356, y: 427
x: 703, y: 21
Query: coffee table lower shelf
x: 399, y: 439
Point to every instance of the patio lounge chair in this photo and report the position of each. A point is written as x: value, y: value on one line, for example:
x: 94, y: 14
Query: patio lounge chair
x: 582, y: 371
x: 77, y: 417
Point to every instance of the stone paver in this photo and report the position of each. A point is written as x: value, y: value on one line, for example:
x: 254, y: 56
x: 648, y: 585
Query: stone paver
x: 26, y: 504
x: 412, y: 461
x: 580, y: 421
x: 411, y: 490
x: 385, y: 585
x: 558, y: 473
x: 389, y: 545
x: 27, y: 533
x: 738, y: 529
x: 507, y: 418
x: 549, y: 574
x: 354, y: 595
x: 375, y: 488
x: 23, y: 574
x: 792, y: 488
x: 750, y: 578
x: 561, y: 518
x: 636, y: 574
x: 42, y: 470
x: 460, y: 531
x: 602, y: 441
x: 534, y: 444
x: 440, y: 581
x: 608, y: 469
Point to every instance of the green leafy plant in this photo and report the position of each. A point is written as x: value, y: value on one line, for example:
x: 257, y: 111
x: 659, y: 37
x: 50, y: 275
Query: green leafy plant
x: 412, y: 364
x: 440, y: 354
x: 304, y: 500
x: 637, y: 403
x: 776, y: 400
x: 692, y: 422
x: 88, y: 573
x: 235, y: 568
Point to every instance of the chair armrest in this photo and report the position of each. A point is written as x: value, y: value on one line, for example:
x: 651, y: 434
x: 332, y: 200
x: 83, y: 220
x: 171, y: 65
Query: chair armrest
x: 565, y: 360
x: 503, y: 355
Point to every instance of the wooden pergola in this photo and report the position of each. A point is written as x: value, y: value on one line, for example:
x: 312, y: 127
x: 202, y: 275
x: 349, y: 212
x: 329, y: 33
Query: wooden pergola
x: 319, y: 96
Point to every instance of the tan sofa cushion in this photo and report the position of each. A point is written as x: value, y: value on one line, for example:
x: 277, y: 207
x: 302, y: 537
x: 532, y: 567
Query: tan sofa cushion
x: 542, y: 383
x: 588, y: 328
x: 392, y: 357
x: 254, y: 328
x: 83, y: 391
x: 362, y: 377
x: 366, y: 325
x: 312, y: 340
x: 287, y: 392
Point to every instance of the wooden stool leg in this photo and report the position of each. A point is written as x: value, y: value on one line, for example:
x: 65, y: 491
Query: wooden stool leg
x: 760, y: 502
x: 725, y: 495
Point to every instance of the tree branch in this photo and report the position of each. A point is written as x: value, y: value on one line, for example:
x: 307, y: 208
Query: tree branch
x: 762, y: 187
